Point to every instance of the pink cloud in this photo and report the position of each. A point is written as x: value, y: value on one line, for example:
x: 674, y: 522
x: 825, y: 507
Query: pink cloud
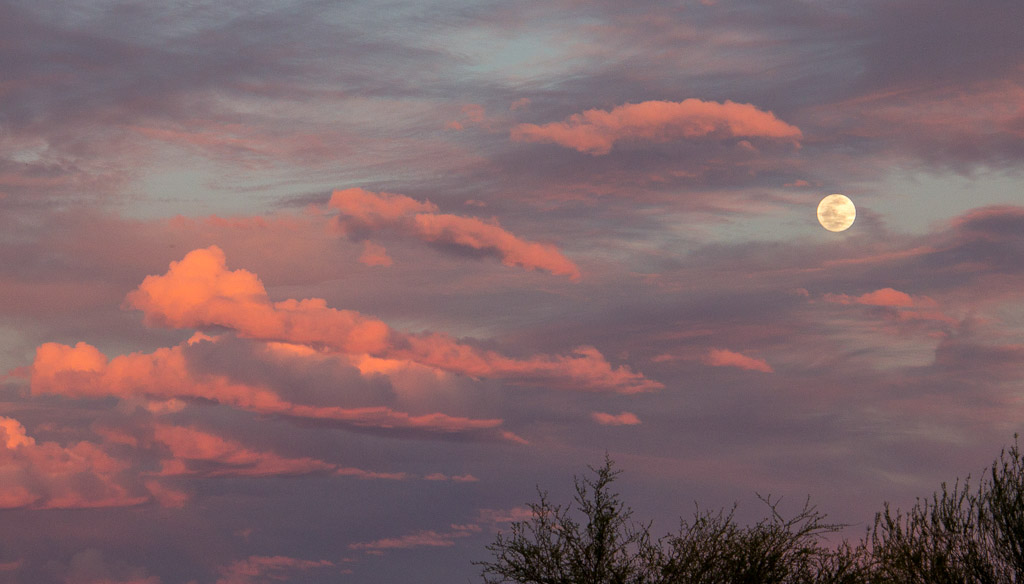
x: 882, y: 297
x: 585, y: 370
x: 50, y: 476
x: 195, y: 452
x: 727, y: 358
x: 222, y: 457
x: 375, y: 255
x: 981, y: 118
x: 596, y: 131
x: 200, y: 292
x: 165, y: 496
x: 362, y: 209
x: 903, y: 306
x: 377, y: 209
x: 262, y: 569
x: 428, y: 538
x: 479, y: 235
x: 83, y: 371
x: 622, y: 419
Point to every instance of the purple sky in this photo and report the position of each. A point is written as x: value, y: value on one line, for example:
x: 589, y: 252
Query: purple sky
x: 321, y: 292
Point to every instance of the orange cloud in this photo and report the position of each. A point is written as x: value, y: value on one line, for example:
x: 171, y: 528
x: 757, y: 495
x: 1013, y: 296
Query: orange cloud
x: 165, y: 374
x: 377, y: 209
x: 883, y: 297
x: 585, y: 370
x: 476, y: 234
x: 199, y: 292
x: 623, y: 419
x: 222, y: 457
x: 903, y: 306
x: 374, y: 255
x: 727, y: 358
x: 50, y: 476
x: 360, y: 209
x: 596, y: 131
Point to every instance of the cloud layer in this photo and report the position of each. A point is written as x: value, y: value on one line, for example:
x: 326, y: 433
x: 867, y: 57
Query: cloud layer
x: 307, y: 291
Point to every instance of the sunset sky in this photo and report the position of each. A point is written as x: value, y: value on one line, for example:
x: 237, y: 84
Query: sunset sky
x: 320, y: 292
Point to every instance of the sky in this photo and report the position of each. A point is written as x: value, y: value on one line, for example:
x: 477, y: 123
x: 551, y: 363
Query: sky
x: 305, y: 291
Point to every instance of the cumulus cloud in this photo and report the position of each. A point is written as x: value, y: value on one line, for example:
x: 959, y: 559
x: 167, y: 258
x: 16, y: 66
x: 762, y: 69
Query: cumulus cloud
x: 200, y: 292
x: 50, y: 476
x: 361, y: 211
x: 727, y: 358
x: 622, y: 419
x: 596, y: 131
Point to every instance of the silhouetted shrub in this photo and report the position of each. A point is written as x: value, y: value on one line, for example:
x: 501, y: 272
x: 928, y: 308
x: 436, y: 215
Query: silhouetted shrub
x: 713, y: 548
x: 958, y: 536
x: 555, y: 548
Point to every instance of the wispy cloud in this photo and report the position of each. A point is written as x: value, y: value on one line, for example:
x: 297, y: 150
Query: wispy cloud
x: 621, y: 419
x: 428, y: 538
x: 361, y: 211
x: 727, y: 358
x: 596, y: 131
x: 265, y: 569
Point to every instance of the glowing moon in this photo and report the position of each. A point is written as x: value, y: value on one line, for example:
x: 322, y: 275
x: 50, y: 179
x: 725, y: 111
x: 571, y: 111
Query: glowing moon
x: 836, y: 212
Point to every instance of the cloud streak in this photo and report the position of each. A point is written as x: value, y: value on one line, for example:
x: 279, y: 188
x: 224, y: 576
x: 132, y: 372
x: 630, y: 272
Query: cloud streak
x: 621, y: 419
x: 597, y: 131
x: 83, y: 371
x: 727, y: 358
x: 360, y: 211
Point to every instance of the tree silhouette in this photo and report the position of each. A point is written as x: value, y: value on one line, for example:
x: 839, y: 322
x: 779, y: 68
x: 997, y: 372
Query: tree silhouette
x: 959, y: 535
x: 555, y: 548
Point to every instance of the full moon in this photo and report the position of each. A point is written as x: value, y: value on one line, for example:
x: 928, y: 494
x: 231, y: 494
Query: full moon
x: 836, y: 212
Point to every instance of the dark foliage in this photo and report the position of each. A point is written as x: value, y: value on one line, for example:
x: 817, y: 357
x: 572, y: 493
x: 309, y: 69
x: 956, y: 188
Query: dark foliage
x: 554, y: 548
x: 713, y: 548
x: 958, y: 536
